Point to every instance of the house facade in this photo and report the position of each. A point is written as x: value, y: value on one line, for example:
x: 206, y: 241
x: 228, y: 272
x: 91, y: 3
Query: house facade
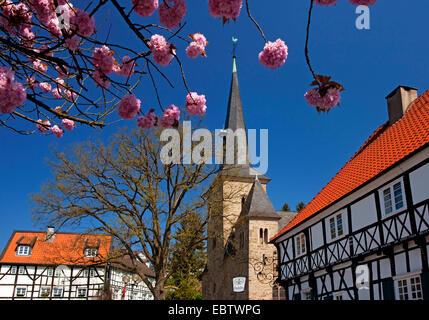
x: 67, y: 266
x: 365, y: 235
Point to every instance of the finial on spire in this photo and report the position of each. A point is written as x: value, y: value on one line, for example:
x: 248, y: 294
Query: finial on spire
x: 234, y: 45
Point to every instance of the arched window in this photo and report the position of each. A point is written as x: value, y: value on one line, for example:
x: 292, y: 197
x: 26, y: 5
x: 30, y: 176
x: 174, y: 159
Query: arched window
x: 261, y: 235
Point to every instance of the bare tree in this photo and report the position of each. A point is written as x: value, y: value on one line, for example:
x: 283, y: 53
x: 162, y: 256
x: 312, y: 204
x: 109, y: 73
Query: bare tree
x: 123, y: 189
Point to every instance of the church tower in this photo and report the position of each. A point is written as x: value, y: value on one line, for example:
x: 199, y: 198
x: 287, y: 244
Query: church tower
x: 241, y: 221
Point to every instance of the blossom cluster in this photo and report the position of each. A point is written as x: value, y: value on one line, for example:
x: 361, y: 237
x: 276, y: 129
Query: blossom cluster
x: 145, y: 8
x: 356, y: 2
x: 197, y: 46
x: 274, y: 54
x: 171, y: 12
x: 162, y: 51
x: 12, y: 93
x: 226, y: 9
x: 196, y: 104
x: 323, y: 102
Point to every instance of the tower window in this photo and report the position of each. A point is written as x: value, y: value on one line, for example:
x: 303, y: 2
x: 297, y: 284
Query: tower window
x: 266, y: 235
x: 261, y: 235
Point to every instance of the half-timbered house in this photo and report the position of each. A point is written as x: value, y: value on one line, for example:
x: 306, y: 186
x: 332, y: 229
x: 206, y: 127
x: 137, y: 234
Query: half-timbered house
x: 365, y: 234
x: 68, y: 266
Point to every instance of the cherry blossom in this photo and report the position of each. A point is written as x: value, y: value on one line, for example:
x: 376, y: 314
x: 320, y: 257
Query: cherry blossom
x: 127, y: 68
x: 68, y: 124
x: 83, y: 22
x: 171, y: 12
x: 197, y: 46
x: 170, y: 117
x: 12, y: 93
x: 57, y: 131
x: 326, y: 2
x: 362, y: 2
x: 196, y: 104
x: 147, y: 121
x: 274, y: 54
x: 326, y: 102
x: 129, y: 107
x: 161, y: 50
x: 227, y: 9
x: 45, y: 127
x: 145, y: 8
x: 46, y: 87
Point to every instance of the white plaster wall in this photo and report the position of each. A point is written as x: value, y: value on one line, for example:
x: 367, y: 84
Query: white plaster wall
x: 363, y: 213
x: 419, y: 180
x: 316, y: 236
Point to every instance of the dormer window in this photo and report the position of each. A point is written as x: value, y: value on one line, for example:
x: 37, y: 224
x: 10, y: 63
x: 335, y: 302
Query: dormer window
x: 90, y: 252
x: 23, y: 250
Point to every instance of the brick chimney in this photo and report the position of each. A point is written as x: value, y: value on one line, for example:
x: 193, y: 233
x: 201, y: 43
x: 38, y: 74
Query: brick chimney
x: 50, y: 233
x: 399, y: 101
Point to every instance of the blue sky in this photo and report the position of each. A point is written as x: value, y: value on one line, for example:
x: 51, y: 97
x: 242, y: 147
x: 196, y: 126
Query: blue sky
x: 306, y: 149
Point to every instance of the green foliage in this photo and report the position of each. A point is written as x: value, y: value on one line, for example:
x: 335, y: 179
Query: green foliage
x: 285, y: 207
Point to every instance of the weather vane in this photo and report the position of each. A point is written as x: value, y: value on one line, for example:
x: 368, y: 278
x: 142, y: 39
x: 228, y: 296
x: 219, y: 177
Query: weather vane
x: 234, y: 45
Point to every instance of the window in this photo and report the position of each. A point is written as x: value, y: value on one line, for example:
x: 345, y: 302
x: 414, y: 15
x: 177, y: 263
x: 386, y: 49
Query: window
x: 336, y: 226
x: 50, y: 272
x: 81, y: 292
x: 21, y: 270
x: 266, y: 235
x: 393, y: 198
x: 409, y: 288
x: 300, y: 248
x: 57, y: 292
x: 91, y: 273
x: 21, y: 291
x: 45, y: 291
x: 23, y: 250
x: 261, y: 235
x: 13, y: 269
x: 90, y: 252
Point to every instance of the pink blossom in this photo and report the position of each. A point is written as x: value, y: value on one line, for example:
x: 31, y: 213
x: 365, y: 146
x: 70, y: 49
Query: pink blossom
x: 72, y: 43
x: 326, y: 2
x: 170, y: 117
x: 194, y: 50
x: 39, y: 65
x: 68, y: 124
x: 227, y: 9
x: 46, y: 87
x: 12, y: 94
x: 147, y: 121
x: 15, y: 17
x: 129, y: 107
x: 362, y: 2
x: 127, y: 68
x: 196, y: 104
x: 43, y: 128
x: 171, y: 12
x: 57, y: 93
x: 31, y: 83
x: 84, y: 23
x: 57, y: 131
x: 101, y: 79
x: 161, y: 50
x: 197, y: 46
x: 274, y: 54
x: 103, y: 60
x: 328, y: 101
x: 145, y: 8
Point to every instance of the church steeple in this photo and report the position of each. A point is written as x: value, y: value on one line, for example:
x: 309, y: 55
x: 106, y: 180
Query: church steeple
x: 234, y: 116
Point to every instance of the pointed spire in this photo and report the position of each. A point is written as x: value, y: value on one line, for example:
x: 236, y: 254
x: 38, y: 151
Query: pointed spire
x: 258, y: 204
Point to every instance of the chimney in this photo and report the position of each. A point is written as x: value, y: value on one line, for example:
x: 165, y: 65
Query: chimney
x: 399, y: 101
x: 50, y: 233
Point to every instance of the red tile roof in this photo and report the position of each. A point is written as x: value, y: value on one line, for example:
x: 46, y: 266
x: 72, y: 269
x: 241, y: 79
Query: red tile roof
x: 385, y: 147
x: 65, y: 248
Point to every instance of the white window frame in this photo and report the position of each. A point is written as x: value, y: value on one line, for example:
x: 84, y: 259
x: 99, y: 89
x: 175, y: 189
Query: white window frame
x: 391, y: 189
x: 300, y: 249
x: 90, y: 252
x: 21, y: 270
x: 339, y: 216
x: 20, y: 289
x: 80, y: 289
x: 13, y: 270
x: 47, y: 290
x: 409, y: 287
x: 23, y: 250
x: 56, y: 289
